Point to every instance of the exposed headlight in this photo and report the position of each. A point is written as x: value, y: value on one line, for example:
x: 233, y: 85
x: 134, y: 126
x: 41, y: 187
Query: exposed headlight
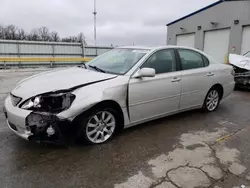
x: 51, y: 102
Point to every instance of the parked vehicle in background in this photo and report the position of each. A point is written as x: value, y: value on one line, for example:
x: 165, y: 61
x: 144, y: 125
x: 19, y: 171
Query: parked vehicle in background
x: 119, y: 89
x: 241, y: 66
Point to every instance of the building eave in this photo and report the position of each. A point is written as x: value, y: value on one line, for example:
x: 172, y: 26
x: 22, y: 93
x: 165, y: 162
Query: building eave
x: 193, y: 13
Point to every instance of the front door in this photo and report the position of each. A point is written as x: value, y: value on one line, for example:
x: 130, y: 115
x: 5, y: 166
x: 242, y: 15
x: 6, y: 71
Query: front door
x: 160, y: 95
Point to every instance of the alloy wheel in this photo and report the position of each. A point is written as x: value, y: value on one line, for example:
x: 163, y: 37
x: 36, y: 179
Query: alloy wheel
x: 212, y: 100
x: 100, y: 127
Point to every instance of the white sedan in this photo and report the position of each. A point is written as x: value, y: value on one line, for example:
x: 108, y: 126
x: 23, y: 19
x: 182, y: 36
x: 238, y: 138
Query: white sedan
x: 119, y: 89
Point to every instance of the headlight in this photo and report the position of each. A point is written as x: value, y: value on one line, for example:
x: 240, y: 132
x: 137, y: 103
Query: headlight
x: 51, y: 102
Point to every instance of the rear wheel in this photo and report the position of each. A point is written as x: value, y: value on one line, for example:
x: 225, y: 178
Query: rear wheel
x: 212, y: 100
x: 99, y: 125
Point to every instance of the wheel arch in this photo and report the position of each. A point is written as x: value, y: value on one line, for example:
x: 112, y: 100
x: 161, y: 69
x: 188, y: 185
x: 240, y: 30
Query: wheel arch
x: 220, y: 89
x: 106, y: 103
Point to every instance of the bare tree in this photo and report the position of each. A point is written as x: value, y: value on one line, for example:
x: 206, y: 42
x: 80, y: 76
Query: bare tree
x: 70, y: 39
x: 10, y: 32
x: 55, y: 36
x: 73, y: 39
x: 21, y: 35
x: 81, y: 38
x: 33, y: 36
x: 44, y: 33
x: 1, y: 32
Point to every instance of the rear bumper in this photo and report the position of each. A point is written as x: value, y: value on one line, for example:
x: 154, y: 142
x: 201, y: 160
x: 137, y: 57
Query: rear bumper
x: 34, y: 126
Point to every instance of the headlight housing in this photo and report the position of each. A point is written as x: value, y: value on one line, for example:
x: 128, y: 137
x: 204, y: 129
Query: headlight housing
x: 50, y: 102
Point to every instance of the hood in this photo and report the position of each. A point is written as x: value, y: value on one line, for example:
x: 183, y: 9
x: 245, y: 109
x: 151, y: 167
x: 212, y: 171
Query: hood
x: 58, y: 80
x: 239, y: 61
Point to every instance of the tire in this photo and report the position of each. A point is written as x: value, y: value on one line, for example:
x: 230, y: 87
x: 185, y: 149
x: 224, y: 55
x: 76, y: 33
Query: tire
x: 212, y: 100
x: 98, y: 125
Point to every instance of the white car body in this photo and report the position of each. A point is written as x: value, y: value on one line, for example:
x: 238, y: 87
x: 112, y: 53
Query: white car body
x: 240, y: 61
x: 140, y: 99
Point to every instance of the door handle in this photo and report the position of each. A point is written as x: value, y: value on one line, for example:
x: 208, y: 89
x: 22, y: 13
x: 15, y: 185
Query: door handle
x: 210, y: 74
x: 176, y: 79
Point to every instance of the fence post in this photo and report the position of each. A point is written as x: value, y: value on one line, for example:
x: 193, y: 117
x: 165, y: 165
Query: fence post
x: 18, y: 53
x: 4, y: 65
x: 53, y: 55
x: 83, y: 50
x: 96, y: 54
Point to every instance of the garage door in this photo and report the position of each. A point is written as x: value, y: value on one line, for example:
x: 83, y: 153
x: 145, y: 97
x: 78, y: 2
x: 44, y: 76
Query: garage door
x: 245, y: 45
x: 216, y: 44
x: 185, y: 40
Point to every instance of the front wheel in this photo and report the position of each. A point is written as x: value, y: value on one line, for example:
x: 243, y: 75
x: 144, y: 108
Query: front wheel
x: 212, y: 100
x: 99, y: 126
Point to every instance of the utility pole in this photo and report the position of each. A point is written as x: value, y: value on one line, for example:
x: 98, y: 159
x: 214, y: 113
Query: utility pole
x: 95, y: 13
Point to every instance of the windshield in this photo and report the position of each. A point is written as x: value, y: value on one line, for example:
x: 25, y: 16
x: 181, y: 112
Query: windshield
x: 117, y: 61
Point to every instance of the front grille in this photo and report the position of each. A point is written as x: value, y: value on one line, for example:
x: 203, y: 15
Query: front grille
x: 15, y: 100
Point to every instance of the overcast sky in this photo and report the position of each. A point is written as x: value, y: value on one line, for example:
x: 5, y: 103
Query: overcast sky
x: 119, y: 22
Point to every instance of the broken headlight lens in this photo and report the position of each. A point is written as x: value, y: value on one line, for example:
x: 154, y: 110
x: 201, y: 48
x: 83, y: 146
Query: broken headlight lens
x: 52, y: 102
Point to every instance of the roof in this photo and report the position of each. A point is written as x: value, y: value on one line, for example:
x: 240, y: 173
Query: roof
x: 200, y: 10
x: 137, y: 47
x: 154, y: 47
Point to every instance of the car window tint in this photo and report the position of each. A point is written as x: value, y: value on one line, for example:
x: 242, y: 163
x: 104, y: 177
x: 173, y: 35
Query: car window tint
x: 190, y: 59
x: 162, y: 61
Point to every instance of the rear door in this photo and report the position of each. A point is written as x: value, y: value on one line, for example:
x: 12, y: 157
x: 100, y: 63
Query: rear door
x: 197, y: 78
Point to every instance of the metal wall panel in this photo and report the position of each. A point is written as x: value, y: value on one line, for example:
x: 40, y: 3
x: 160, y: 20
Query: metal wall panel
x: 34, y: 48
x: 90, y: 52
x: 102, y: 51
x: 74, y: 49
x: 8, y: 48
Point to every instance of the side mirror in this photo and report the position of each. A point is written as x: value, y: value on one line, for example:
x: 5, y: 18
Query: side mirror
x: 145, y: 72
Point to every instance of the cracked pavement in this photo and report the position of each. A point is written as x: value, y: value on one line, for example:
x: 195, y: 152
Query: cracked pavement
x: 191, y: 149
x: 198, y: 161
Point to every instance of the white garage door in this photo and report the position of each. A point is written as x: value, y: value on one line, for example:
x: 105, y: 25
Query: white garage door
x: 185, y: 40
x: 216, y: 44
x: 245, y: 45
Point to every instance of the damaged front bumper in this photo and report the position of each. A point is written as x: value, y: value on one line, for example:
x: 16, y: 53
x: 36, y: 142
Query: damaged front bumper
x: 36, y: 126
x: 242, y: 77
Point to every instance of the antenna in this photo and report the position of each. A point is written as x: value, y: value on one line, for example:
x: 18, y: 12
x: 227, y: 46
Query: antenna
x: 95, y: 13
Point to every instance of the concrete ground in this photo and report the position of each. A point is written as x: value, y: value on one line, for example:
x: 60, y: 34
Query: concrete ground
x: 192, y: 149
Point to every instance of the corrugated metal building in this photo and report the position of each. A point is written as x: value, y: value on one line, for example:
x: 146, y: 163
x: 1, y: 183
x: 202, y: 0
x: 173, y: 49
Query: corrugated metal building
x: 218, y: 29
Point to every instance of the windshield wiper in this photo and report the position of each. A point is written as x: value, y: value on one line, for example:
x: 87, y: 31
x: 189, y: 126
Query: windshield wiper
x: 96, y: 68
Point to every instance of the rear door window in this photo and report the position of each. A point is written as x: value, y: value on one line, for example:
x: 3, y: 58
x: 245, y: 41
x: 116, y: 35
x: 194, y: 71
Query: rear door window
x: 191, y: 59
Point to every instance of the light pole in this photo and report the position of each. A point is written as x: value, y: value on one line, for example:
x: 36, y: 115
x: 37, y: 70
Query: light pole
x: 95, y: 13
